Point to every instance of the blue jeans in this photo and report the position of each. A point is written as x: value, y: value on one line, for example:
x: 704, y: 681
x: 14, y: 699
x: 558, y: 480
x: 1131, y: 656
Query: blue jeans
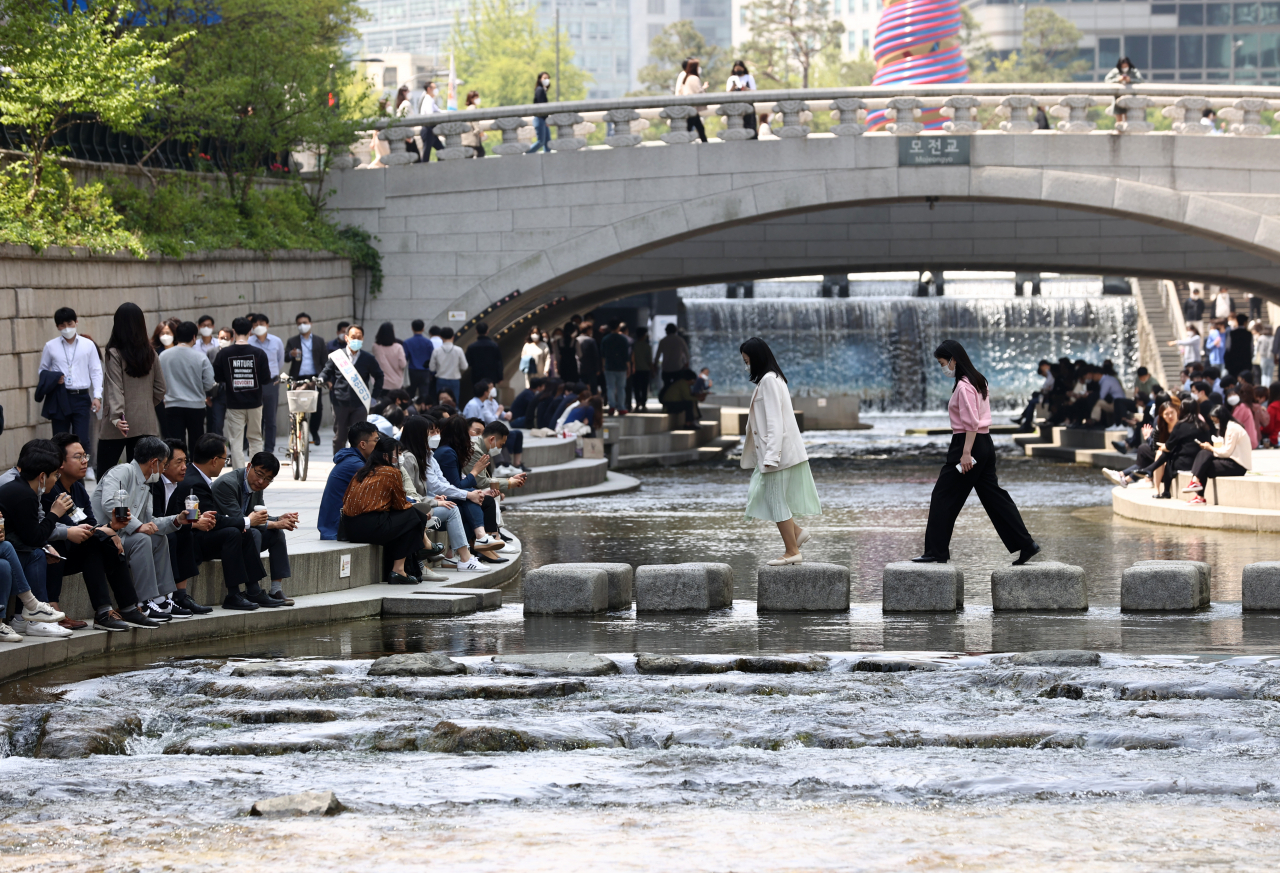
x: 12, y: 579
x: 616, y: 380
x: 34, y: 563
x: 453, y: 524
x: 452, y: 385
x: 543, y: 130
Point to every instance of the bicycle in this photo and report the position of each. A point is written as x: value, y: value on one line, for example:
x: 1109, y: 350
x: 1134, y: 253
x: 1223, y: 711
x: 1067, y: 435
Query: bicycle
x: 303, y: 400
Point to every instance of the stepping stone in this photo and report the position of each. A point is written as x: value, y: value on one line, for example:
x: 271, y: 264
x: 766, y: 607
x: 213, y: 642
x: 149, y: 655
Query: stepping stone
x: 676, y: 588
x: 306, y: 803
x: 1165, y: 586
x: 1045, y: 586
x: 565, y: 589
x: 430, y: 604
x: 558, y: 664
x: 803, y: 588
x: 1056, y: 658
x: 911, y: 587
x: 1260, y: 587
x: 676, y: 665
x: 621, y: 581
x: 719, y: 582
x: 486, y: 598
x: 416, y: 664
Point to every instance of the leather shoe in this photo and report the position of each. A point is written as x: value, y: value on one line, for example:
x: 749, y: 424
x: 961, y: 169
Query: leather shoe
x: 1027, y: 554
x: 428, y: 554
x: 262, y: 598
x: 236, y: 600
x: 279, y: 597
x: 186, y: 601
x: 926, y: 559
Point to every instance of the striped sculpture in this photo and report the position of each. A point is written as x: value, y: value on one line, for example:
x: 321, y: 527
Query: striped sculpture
x: 917, y: 44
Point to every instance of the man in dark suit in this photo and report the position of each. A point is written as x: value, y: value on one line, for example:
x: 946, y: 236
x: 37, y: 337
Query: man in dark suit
x: 348, y: 408
x: 238, y: 494
x: 168, y: 497
x: 484, y: 358
x: 306, y: 354
x: 230, y: 539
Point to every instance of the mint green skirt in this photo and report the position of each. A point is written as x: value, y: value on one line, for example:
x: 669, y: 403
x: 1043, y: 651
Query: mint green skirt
x: 782, y: 494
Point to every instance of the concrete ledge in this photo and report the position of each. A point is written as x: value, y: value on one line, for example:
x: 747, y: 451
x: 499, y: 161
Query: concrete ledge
x: 803, y: 588
x: 911, y: 587
x: 1165, y: 586
x: 1138, y: 504
x: 431, y: 604
x: 1045, y: 586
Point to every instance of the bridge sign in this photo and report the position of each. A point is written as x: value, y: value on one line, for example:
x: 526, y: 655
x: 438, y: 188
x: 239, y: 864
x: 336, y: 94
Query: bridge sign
x: 931, y: 151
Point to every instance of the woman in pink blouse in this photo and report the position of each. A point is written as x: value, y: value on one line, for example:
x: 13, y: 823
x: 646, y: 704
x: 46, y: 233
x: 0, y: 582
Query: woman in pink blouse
x: 971, y: 463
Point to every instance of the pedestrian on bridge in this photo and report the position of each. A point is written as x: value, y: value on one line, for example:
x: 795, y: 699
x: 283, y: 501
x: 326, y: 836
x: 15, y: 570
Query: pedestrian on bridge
x: 540, y: 127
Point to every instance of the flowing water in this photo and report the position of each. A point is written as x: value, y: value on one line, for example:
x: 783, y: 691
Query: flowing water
x: 845, y: 742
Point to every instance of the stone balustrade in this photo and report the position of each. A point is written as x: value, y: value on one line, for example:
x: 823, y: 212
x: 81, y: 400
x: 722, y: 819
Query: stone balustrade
x: 971, y: 109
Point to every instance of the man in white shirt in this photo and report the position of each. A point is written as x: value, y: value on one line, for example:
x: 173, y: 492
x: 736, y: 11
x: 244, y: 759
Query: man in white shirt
x: 207, y: 341
x: 274, y: 348
x: 433, y: 334
x: 429, y: 139
x: 76, y: 358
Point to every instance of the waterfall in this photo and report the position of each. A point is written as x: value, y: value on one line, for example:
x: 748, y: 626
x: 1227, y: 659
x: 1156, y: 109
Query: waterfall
x: 881, y: 349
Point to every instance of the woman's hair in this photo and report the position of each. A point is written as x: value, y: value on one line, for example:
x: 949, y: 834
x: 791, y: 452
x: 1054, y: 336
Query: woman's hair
x: 129, y: 338
x: 402, y: 95
x: 742, y: 64
x: 597, y: 411
x: 414, y: 439
x: 950, y: 350
x: 1193, y: 329
x: 159, y: 329
x: 455, y: 433
x: 472, y: 97
x: 693, y: 68
x: 1124, y: 60
x: 386, y: 335
x: 1223, y: 414
x: 1246, y: 392
x: 761, y: 358
x: 381, y: 456
x: 1162, y: 426
x: 539, y: 79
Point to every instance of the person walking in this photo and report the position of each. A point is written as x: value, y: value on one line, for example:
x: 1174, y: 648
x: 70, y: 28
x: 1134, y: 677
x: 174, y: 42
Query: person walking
x: 540, y: 128
x: 615, y: 355
x: 641, y: 368
x: 428, y: 106
x: 484, y: 358
x: 1223, y: 305
x: 566, y: 352
x: 533, y: 360
x: 448, y: 363
x: 391, y: 357
x: 306, y: 354
x: 188, y: 377
x: 273, y: 347
x: 971, y: 464
x: 133, y: 387
x: 242, y: 370
x: 1193, y: 310
x: 417, y: 353
x: 75, y: 358
x: 781, y: 482
x: 692, y: 85
x: 347, y: 375
x: 1237, y: 356
x: 674, y: 354
x: 742, y: 80
x: 474, y: 139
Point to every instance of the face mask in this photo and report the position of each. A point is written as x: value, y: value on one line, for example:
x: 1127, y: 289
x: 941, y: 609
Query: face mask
x: 260, y: 330
x: 222, y: 344
x: 68, y: 333
x: 304, y: 328
x: 476, y: 104
x: 534, y: 338
x: 166, y: 339
x: 153, y: 478
x: 355, y: 345
x: 950, y: 370
x: 1233, y: 400
x: 494, y: 452
x: 206, y: 332
x: 434, y: 441
x: 546, y: 82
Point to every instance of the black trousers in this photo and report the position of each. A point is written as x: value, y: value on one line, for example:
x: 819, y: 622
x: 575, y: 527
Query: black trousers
x: 343, y: 418
x: 952, y: 489
x: 640, y: 387
x: 184, y: 424
x: 1145, y: 456
x: 677, y: 407
x: 79, y: 421
x: 1206, y: 466
x: 695, y: 123
x: 109, y: 454
x: 399, y: 532
x: 420, y: 383
x: 101, y: 564
x: 240, y: 554
x: 274, y: 544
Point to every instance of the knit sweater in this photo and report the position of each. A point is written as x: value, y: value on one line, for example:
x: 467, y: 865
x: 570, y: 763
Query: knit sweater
x: 188, y: 374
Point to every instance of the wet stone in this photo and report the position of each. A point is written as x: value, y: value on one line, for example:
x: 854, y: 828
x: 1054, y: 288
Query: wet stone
x: 1056, y: 658
x: 71, y: 733
x: 881, y: 664
x: 1045, y: 586
x: 1063, y: 690
x: 565, y: 589
x: 1260, y: 586
x: 557, y: 664
x: 803, y: 588
x: 910, y: 587
x: 719, y: 583
x: 621, y: 580
x: 416, y: 664
x: 290, y: 715
x: 675, y: 665
x: 672, y: 588
x: 1165, y: 586
x: 282, y: 668
x: 781, y: 665
x: 305, y: 803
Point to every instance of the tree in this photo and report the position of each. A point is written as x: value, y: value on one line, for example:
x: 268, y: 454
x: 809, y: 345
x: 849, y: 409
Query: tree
x: 1050, y: 46
x: 669, y: 49
x: 66, y: 65
x: 786, y: 33
x: 974, y: 44
x: 499, y: 49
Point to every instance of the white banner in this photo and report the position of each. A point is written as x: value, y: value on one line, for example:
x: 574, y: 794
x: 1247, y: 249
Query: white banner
x: 349, y: 372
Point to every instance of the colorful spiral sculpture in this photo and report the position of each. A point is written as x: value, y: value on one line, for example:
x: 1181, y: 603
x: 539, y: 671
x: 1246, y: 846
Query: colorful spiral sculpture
x: 917, y: 43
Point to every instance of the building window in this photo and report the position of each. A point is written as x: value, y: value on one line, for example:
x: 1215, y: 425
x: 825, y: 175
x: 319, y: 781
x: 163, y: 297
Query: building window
x: 1246, y: 13
x: 1190, y: 15
x: 654, y: 31
x: 1269, y: 13
x: 1163, y: 9
x: 1135, y: 49
x: 866, y: 39
x: 1217, y: 51
x: 1190, y: 51
x: 389, y: 77
x: 1218, y: 14
x: 657, y: 7
x: 1246, y: 45
x: 1163, y: 53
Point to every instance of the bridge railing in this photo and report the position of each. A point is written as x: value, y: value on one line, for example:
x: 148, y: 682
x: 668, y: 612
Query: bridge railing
x: 1015, y: 110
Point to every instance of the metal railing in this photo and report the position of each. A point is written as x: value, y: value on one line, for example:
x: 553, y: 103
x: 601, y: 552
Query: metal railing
x: 1014, y: 106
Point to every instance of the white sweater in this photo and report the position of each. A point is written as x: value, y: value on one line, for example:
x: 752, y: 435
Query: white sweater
x: 1235, y: 445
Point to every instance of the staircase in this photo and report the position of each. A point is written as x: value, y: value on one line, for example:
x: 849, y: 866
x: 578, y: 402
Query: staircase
x: 645, y: 439
x: 1156, y: 329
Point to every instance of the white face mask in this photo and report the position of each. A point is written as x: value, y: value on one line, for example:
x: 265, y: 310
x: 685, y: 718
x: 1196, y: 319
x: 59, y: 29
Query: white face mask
x: 206, y: 332
x: 546, y: 82
x: 950, y: 370
x: 222, y: 343
x: 166, y: 339
x: 534, y: 338
x: 304, y: 328
x: 494, y: 452
x: 153, y: 478
x: 434, y: 441
x: 68, y: 333
x: 260, y: 330
x: 1233, y: 400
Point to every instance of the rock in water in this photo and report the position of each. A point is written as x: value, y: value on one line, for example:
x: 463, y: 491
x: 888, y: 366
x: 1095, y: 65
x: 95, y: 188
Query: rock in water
x: 282, y: 668
x: 559, y: 664
x: 72, y: 733
x: 450, y: 738
x: 675, y: 665
x: 812, y: 664
x: 306, y: 803
x: 416, y: 664
x: 1056, y: 658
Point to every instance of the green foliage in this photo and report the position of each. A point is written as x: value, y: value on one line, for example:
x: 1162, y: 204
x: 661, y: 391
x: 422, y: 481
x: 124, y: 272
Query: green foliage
x: 669, y: 49
x: 787, y: 34
x: 499, y: 49
x: 1049, y: 49
x: 57, y: 213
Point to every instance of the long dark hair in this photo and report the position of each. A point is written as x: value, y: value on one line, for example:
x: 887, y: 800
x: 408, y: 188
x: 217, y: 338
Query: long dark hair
x: 381, y: 456
x: 414, y: 439
x: 129, y: 338
x: 950, y: 350
x: 1223, y: 414
x: 455, y: 433
x: 386, y: 335
x: 761, y: 358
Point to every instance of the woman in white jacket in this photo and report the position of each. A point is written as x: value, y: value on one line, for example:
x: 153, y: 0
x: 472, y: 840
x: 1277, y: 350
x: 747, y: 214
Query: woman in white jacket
x: 781, y: 484
x: 1233, y: 458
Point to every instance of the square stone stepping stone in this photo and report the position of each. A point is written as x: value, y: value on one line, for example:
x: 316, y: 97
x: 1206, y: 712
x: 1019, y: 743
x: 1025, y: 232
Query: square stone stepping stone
x: 486, y: 598
x: 1044, y: 586
x: 621, y: 581
x: 565, y: 589
x: 911, y: 587
x: 430, y: 604
x: 1165, y: 586
x: 719, y: 583
x: 672, y: 588
x: 1260, y: 587
x: 803, y: 588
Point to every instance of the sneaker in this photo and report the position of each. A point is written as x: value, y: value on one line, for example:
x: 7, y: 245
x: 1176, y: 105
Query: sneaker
x: 136, y: 618
x: 435, y: 523
x: 176, y: 609
x: 472, y: 565
x: 1143, y: 482
x: 8, y: 634
x: 432, y: 576
x: 1192, y: 486
x: 279, y: 597
x: 18, y: 624
x: 488, y: 543
x: 1116, y: 477
x: 110, y: 621
x: 506, y: 471
x: 46, y: 629
x: 154, y: 613
x: 1197, y: 501
x: 42, y: 613
x: 1120, y: 446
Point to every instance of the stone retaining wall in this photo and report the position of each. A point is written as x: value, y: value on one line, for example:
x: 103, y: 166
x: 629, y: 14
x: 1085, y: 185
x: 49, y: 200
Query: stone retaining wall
x: 222, y: 284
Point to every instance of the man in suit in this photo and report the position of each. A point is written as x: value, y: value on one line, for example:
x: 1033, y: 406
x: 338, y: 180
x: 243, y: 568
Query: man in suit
x: 229, y: 539
x: 484, y: 358
x: 169, y: 497
x: 237, y: 493
x: 306, y: 355
x: 348, y: 408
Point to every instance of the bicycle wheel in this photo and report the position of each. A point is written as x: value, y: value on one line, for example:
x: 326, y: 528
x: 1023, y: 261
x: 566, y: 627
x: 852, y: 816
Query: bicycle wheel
x: 304, y: 440
x: 294, y: 453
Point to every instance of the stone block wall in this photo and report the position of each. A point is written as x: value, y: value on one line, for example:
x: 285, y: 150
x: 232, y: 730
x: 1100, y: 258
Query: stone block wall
x: 221, y: 284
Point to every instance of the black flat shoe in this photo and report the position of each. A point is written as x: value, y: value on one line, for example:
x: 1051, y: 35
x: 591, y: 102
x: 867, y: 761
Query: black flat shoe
x: 186, y: 601
x: 926, y: 559
x: 436, y: 550
x: 486, y: 560
x: 1027, y: 554
x: 401, y: 579
x: 236, y: 600
x: 264, y: 599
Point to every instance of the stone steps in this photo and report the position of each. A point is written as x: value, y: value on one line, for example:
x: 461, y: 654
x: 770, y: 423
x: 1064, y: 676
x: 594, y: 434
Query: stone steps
x: 548, y: 451
x: 575, y: 473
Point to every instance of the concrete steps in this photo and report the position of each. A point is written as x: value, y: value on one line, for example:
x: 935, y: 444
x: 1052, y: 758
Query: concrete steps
x: 575, y: 473
x: 548, y: 451
x: 1076, y: 446
x: 1154, y: 302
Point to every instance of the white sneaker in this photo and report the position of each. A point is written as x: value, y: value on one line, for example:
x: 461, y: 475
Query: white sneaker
x: 18, y: 624
x: 432, y: 576
x: 161, y: 606
x: 472, y: 565
x: 9, y: 635
x: 1116, y: 478
x: 45, y: 629
x: 43, y: 612
x: 506, y: 471
x: 488, y: 543
x: 1144, y: 482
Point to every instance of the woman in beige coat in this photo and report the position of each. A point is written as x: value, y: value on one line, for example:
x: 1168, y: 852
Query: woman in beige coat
x: 133, y: 388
